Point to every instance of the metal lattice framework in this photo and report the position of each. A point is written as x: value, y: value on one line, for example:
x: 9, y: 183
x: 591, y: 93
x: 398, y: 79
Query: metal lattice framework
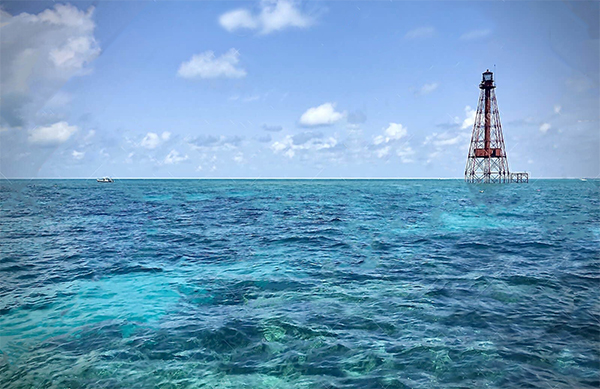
x: 487, y: 161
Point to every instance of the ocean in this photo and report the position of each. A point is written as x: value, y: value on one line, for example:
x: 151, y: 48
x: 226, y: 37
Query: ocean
x: 299, y: 284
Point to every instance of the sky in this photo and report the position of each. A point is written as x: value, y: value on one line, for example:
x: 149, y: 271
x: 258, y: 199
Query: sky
x: 283, y: 89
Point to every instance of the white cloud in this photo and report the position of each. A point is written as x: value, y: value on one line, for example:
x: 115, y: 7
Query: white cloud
x: 470, y: 114
x: 441, y: 141
x: 454, y: 142
x: 54, y: 134
x: 78, y: 155
x: 290, y: 145
x: 238, y: 19
x: 431, y: 156
x: 174, y: 158
x: 150, y: 141
x: 557, y: 108
x: 420, y: 33
x: 323, y: 115
x: 280, y: 146
x: 153, y: 140
x: 428, y: 88
x: 395, y: 131
x: 475, y: 34
x: 448, y: 141
x: 383, y: 152
x: 405, y: 153
x: 41, y: 52
x: 207, y: 65
x: 545, y: 127
x: 391, y: 140
x: 274, y: 15
x: 239, y: 157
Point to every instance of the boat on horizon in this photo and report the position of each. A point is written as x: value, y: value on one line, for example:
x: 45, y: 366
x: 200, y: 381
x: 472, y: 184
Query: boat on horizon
x: 105, y: 179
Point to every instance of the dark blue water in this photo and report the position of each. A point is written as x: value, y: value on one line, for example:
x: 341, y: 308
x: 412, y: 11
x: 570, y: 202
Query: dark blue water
x: 299, y: 284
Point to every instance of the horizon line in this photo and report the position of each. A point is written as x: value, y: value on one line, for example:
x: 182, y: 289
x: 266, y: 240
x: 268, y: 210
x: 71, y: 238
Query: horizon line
x: 273, y: 178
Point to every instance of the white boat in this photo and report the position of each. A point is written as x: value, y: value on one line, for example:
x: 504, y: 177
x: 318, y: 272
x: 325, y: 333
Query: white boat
x: 104, y: 179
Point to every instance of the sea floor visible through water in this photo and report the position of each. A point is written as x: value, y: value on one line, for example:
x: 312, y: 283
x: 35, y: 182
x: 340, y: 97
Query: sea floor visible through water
x: 299, y: 284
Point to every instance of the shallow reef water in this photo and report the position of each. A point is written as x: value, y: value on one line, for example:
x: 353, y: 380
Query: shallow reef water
x: 299, y: 284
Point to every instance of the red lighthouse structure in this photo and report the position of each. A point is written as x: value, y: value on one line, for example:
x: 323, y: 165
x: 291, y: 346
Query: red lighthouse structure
x: 487, y: 161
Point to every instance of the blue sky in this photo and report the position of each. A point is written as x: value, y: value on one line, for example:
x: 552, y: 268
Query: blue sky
x: 293, y: 89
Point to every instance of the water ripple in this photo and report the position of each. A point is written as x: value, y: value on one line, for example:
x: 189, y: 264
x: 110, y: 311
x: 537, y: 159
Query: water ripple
x: 299, y: 284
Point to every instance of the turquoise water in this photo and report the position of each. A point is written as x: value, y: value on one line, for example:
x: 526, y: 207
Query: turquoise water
x: 299, y: 284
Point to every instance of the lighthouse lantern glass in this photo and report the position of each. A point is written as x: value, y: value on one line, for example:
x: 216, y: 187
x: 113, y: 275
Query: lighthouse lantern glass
x: 487, y: 76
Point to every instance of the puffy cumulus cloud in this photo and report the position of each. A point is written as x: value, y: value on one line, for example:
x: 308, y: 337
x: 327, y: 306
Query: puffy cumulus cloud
x: 446, y: 143
x: 455, y: 141
x: 462, y: 124
x: 174, y: 158
x: 544, y: 127
x: 323, y: 115
x: 238, y: 19
x: 469, y: 118
x: 54, y: 134
x: 444, y: 139
x: 446, y: 148
x: 405, y: 153
x: 393, y: 141
x: 207, y: 65
x: 395, y: 131
x: 475, y: 34
x: 303, y: 142
x: 274, y: 15
x: 78, y: 155
x: 383, y: 152
x: 420, y: 33
x: 153, y: 140
x: 427, y: 88
x: 41, y: 52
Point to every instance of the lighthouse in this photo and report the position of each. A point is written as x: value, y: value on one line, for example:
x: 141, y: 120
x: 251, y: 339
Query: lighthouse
x: 487, y: 161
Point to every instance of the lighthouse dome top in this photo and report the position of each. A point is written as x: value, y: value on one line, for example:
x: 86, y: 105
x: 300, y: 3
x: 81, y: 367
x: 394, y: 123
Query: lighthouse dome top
x: 487, y: 81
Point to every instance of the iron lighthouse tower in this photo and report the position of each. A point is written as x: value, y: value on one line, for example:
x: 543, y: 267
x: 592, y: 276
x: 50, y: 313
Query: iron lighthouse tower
x: 487, y: 161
